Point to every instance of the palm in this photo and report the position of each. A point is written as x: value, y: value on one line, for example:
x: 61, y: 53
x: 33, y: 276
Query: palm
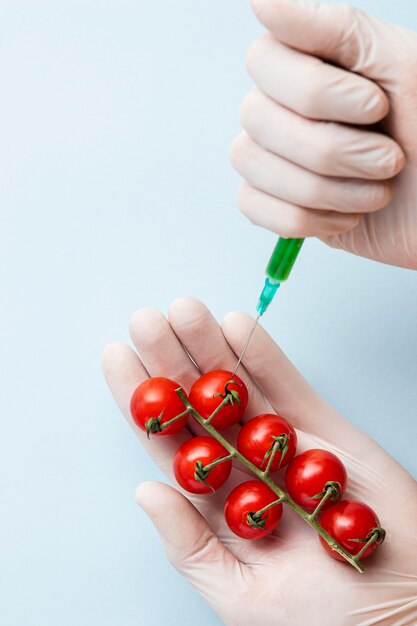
x: 272, y: 574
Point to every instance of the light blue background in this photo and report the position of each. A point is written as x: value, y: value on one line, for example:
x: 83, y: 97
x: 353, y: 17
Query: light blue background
x: 116, y: 192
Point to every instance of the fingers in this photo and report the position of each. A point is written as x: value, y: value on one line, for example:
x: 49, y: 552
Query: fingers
x: 203, y: 338
x: 302, y: 171
x: 312, y: 88
x: 159, y: 348
x: 337, y: 32
x: 322, y: 147
x: 289, y: 182
x: 124, y: 371
x: 289, y: 220
x: 190, y: 544
x: 200, y: 334
x: 162, y: 352
x: 164, y: 347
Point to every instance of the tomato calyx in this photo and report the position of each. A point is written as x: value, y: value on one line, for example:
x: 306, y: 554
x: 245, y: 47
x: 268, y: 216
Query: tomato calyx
x: 254, y: 520
x: 257, y: 519
x: 153, y: 425
x: 332, y: 489
x: 231, y: 395
x: 201, y: 472
x: 375, y: 535
x: 280, y: 444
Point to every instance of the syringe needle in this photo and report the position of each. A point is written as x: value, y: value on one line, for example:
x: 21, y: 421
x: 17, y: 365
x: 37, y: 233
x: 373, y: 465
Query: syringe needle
x: 278, y: 270
x: 242, y: 354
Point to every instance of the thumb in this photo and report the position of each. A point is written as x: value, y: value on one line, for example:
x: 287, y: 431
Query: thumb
x: 191, y: 546
x: 337, y: 32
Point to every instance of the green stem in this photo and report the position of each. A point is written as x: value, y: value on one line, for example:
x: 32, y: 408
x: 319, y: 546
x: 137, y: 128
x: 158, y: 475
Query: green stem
x: 275, y: 447
x: 176, y: 418
x: 258, y: 514
x: 330, y: 491
x: 222, y: 459
x: 271, y: 484
x: 223, y: 403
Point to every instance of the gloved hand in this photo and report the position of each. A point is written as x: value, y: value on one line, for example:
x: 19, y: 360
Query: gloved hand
x: 314, y: 166
x: 286, y: 578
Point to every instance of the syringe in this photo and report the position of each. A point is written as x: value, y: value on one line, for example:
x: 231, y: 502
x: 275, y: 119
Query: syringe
x: 277, y: 271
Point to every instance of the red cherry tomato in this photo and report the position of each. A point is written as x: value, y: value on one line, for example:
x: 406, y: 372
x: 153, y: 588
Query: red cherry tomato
x: 256, y: 439
x: 211, y: 389
x: 155, y: 402
x: 242, y: 504
x: 350, y: 522
x: 190, y: 459
x: 307, y: 475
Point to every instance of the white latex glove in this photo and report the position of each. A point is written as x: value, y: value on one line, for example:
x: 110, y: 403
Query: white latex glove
x: 286, y: 578
x: 312, y: 163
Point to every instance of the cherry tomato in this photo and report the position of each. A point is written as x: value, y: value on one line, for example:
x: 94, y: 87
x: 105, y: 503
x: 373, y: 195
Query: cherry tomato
x: 190, y: 459
x: 350, y: 522
x: 308, y: 474
x: 258, y: 436
x: 211, y: 389
x: 242, y: 504
x: 155, y: 402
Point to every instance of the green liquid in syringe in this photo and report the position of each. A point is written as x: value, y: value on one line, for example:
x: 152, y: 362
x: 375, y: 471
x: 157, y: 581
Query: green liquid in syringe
x: 278, y: 269
x: 283, y: 258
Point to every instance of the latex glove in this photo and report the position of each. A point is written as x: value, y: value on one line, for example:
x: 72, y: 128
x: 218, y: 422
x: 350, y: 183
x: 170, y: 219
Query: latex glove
x: 286, y: 578
x: 313, y: 165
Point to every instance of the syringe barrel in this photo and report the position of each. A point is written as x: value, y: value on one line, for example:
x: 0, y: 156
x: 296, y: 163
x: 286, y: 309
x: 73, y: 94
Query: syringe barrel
x: 283, y: 258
